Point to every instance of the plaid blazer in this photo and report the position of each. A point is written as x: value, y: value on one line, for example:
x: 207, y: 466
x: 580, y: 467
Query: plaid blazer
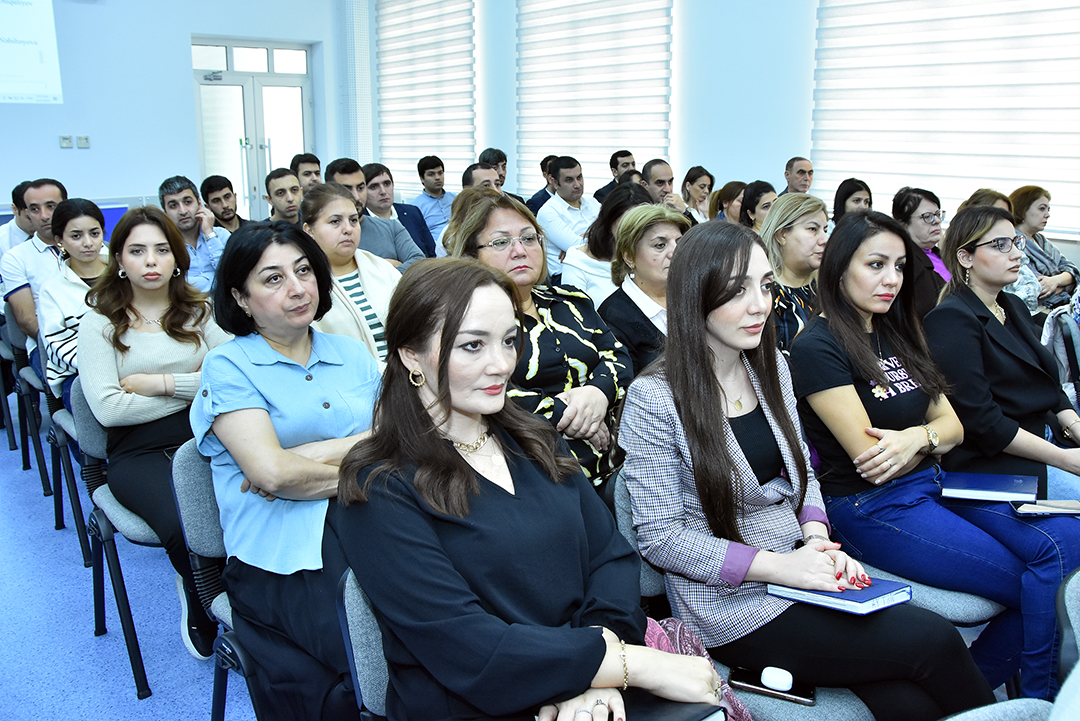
x: 704, y: 574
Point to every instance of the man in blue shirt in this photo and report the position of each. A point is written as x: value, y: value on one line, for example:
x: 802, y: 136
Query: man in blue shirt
x: 180, y: 200
x: 380, y: 203
x: 435, y: 201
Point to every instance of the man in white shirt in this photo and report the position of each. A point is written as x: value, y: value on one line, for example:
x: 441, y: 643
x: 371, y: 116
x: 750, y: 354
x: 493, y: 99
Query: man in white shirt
x: 179, y: 199
x: 568, y: 214
x: 27, y: 266
x: 21, y: 227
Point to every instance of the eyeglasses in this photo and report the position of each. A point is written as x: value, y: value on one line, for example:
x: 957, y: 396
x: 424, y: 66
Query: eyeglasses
x: 503, y: 244
x: 928, y: 218
x: 1004, y: 245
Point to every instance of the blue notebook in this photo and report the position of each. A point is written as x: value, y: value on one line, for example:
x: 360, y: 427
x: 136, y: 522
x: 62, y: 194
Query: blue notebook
x: 989, y: 487
x: 881, y: 594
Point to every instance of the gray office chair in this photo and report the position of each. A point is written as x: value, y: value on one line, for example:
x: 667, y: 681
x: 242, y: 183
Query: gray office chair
x: 193, y: 487
x: 363, y: 643
x: 28, y: 386
x: 7, y: 360
x: 108, y: 517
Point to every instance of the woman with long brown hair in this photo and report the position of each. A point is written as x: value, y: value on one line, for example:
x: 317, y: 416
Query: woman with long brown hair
x: 460, y: 492
x: 140, y: 353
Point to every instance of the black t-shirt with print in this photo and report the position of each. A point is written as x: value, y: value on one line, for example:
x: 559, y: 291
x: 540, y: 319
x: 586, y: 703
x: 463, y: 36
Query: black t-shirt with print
x: 819, y: 363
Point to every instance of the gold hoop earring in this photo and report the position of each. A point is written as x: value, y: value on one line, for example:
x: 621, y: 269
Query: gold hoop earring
x: 417, y: 381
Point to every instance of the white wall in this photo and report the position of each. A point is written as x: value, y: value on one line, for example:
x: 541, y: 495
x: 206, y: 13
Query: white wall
x: 126, y: 72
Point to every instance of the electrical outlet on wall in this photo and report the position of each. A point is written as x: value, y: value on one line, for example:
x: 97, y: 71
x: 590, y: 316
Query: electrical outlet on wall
x: 65, y: 141
x: 83, y: 141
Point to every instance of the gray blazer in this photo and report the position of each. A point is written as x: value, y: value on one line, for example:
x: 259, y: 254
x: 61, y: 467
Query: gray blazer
x: 388, y: 238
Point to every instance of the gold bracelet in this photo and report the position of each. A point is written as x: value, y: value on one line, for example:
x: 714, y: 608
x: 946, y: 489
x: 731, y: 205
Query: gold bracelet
x: 1066, y: 429
x: 625, y: 670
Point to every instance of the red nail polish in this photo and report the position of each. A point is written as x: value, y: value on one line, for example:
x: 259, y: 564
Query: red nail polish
x: 853, y: 579
x: 860, y: 585
x: 840, y: 588
x: 838, y: 575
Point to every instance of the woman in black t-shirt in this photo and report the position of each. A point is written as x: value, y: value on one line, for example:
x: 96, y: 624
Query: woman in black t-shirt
x: 874, y: 407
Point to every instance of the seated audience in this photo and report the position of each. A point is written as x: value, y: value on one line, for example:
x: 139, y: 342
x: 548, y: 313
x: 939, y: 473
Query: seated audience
x: 1026, y: 286
x: 217, y: 193
x: 497, y: 159
x: 696, y: 187
x: 483, y: 174
x: 1056, y: 274
x: 919, y: 211
x: 637, y: 311
x: 362, y: 283
x: 79, y: 227
x: 725, y: 501
x: 380, y: 203
x: 20, y: 228
x: 572, y: 371
x: 794, y: 234
x: 140, y: 352
x: 280, y: 406
x: 621, y: 162
x: 568, y: 215
x: 458, y: 490
x: 379, y: 236
x: 851, y: 196
x: 434, y: 201
x: 284, y: 194
x: 1003, y: 382
x: 308, y: 169
x: 798, y: 176
x: 202, y: 240
x: 536, y: 202
x: 729, y: 201
x: 758, y: 198
x: 27, y: 266
x: 875, y: 409
x: 588, y: 266
x: 659, y: 180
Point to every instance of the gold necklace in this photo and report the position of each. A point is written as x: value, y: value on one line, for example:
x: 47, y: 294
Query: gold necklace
x: 470, y: 448
x: 999, y: 312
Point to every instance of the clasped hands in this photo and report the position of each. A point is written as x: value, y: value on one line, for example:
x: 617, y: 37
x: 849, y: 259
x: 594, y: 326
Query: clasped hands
x: 892, y: 454
x: 586, y: 408
x: 822, y: 566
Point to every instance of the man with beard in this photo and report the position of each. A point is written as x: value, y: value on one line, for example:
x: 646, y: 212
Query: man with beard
x: 196, y: 224
x: 217, y: 193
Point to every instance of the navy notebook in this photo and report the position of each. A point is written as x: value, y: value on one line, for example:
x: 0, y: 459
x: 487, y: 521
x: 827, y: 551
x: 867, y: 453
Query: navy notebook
x: 881, y: 594
x: 989, y: 487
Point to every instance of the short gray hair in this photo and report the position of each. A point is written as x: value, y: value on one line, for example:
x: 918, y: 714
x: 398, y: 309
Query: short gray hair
x: 175, y: 184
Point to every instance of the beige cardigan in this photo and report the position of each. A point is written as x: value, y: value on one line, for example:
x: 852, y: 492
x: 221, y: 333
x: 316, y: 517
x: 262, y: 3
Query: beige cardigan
x: 378, y: 278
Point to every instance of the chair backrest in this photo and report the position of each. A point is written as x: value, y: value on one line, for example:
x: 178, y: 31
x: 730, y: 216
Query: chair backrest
x: 652, y: 581
x: 93, y: 438
x: 1068, y: 612
x: 193, y: 485
x: 363, y: 642
x: 1069, y: 333
x: 15, y: 336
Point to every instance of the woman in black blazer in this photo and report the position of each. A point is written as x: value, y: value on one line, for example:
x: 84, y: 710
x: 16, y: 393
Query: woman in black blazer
x: 1004, y: 383
x: 637, y: 311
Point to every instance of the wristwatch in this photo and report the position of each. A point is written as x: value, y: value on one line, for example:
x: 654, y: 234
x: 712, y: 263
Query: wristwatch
x: 932, y: 440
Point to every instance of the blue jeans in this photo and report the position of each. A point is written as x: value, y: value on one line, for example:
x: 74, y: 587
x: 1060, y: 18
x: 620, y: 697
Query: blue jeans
x: 907, y: 528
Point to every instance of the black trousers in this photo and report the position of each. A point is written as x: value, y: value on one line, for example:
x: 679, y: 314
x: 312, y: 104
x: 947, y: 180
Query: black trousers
x: 289, y: 626
x: 904, y: 663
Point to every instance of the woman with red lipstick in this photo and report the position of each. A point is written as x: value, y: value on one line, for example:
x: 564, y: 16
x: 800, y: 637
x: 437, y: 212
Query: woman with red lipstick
x: 572, y: 369
x: 1004, y: 382
x: 874, y: 406
x: 140, y: 353
x: 363, y: 282
x: 499, y: 580
x: 725, y: 501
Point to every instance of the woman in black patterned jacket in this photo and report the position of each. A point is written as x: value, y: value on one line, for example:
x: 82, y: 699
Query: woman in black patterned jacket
x: 572, y: 369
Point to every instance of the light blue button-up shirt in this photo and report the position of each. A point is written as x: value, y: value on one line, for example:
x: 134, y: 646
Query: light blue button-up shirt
x: 436, y: 210
x: 332, y: 396
x: 204, y: 258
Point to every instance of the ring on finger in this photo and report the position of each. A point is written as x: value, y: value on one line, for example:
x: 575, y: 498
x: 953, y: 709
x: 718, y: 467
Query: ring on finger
x: 581, y: 711
x: 880, y: 449
x: 890, y: 464
x: 599, y: 702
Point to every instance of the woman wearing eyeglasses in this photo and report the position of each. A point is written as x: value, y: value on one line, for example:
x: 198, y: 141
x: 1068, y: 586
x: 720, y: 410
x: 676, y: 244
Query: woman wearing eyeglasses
x: 1004, y: 382
x: 572, y: 370
x: 919, y: 211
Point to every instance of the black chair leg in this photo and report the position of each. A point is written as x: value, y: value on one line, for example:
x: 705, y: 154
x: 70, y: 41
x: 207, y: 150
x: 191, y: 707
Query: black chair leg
x: 58, y: 492
x: 221, y: 685
x: 23, y: 433
x: 76, y: 505
x: 93, y: 528
x: 39, y: 454
x: 123, y: 608
x: 5, y: 408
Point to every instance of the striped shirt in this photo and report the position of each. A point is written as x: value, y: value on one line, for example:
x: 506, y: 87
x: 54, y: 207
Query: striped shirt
x: 351, y: 284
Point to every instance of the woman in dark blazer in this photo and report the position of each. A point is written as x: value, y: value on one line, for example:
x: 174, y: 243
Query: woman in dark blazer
x: 636, y: 312
x: 1004, y: 383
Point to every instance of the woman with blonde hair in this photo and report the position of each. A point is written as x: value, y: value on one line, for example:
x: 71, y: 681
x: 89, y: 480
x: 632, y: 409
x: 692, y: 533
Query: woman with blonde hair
x: 794, y: 234
x: 637, y: 311
x: 140, y: 349
x: 572, y: 370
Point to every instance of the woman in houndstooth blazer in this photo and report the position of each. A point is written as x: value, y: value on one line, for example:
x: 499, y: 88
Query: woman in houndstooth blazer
x: 725, y: 502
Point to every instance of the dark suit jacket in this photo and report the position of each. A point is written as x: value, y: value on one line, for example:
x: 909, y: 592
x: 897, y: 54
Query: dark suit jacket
x: 927, y: 283
x: 999, y: 383
x: 633, y: 329
x: 536, y: 202
x: 605, y: 191
x: 413, y: 220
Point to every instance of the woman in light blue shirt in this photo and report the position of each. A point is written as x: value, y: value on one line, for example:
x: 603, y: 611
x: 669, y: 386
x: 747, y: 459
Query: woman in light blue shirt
x: 279, y: 407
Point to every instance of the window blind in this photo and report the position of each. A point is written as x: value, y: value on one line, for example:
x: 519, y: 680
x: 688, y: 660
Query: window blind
x: 593, y: 78
x: 426, y: 84
x: 951, y: 96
